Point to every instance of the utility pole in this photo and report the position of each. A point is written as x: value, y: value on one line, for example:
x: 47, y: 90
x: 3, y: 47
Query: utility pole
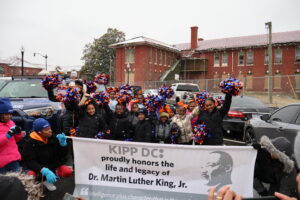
x: 270, y: 81
x: 22, y: 60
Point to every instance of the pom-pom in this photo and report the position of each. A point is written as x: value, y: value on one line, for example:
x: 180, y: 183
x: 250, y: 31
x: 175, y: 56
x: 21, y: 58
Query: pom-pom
x: 153, y: 103
x: 219, y: 101
x: 174, y: 135
x: 51, y: 81
x: 166, y: 91
x: 103, y: 134
x: 102, y: 98
x: 200, y: 132
x: 231, y: 86
x: 91, y: 86
x: 112, y: 89
x: 102, y: 78
x: 73, y: 131
x: 68, y: 94
x: 125, y: 94
x: 201, y: 98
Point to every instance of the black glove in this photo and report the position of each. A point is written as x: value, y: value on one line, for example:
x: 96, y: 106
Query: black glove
x: 14, y: 130
x: 256, y: 146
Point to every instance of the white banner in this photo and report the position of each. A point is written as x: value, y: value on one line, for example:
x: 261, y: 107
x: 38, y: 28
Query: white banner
x: 159, y: 169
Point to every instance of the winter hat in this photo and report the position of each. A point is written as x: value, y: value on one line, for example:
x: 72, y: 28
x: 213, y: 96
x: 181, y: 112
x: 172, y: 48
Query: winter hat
x: 5, y: 106
x: 164, y: 114
x: 142, y: 111
x: 40, y: 124
x: 297, y: 149
x: 283, y: 145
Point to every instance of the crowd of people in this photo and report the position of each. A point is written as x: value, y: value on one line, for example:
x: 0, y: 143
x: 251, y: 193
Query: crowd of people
x: 44, y: 153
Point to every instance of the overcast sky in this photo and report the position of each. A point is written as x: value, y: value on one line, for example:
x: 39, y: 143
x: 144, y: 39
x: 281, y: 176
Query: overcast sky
x: 61, y: 28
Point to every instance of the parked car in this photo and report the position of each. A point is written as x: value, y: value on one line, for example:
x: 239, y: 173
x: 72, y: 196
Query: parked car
x: 283, y: 122
x: 242, y: 109
x: 182, y: 91
x: 30, y: 101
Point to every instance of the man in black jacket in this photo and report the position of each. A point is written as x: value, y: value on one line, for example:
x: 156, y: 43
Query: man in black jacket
x: 212, y: 117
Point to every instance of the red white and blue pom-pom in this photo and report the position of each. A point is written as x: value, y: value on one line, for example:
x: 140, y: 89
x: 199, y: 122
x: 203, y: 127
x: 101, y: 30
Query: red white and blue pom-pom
x: 73, y: 131
x: 124, y: 95
x: 68, y: 94
x: 201, y: 97
x: 200, y: 132
x: 51, y: 81
x: 102, y: 78
x: 102, y: 98
x: 231, y: 86
x: 219, y: 101
x: 103, y: 134
x: 166, y: 91
x: 112, y: 89
x: 91, y: 86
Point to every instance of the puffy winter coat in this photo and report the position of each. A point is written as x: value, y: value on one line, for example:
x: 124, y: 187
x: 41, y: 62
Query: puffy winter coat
x: 214, y: 120
x: 279, y: 171
x: 163, y: 132
x: 185, y: 126
x: 38, y: 154
x: 142, y: 131
x: 133, y: 118
x: 8, y: 147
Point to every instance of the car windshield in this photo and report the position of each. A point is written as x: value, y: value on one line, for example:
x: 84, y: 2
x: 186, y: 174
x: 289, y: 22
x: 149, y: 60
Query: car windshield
x: 24, y: 89
x: 188, y: 88
x: 247, y: 102
x: 2, y: 83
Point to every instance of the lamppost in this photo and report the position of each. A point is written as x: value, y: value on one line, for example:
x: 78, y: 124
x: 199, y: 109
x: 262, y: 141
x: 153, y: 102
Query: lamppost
x: 128, y: 68
x: 22, y: 59
x: 44, y: 56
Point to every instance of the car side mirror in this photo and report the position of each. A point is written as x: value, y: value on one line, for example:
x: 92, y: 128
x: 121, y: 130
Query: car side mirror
x: 265, y: 117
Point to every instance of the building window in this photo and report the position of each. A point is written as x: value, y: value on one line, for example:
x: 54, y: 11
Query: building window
x: 130, y: 55
x: 165, y: 62
x: 168, y: 61
x: 297, y: 56
x: 1, y: 70
x: 155, y: 56
x: 224, y: 59
x: 250, y: 57
x: 241, y: 58
x: 266, y: 56
x: 150, y: 55
x: 278, y: 56
x: 20, y: 72
x: 160, y: 58
x: 216, y: 59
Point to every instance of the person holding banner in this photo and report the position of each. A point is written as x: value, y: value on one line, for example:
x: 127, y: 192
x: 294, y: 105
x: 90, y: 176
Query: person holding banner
x: 44, y: 154
x: 142, y: 130
x: 133, y: 114
x: 90, y: 122
x: 212, y: 117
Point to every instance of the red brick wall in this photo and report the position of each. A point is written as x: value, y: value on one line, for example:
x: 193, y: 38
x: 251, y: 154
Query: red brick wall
x: 16, y: 70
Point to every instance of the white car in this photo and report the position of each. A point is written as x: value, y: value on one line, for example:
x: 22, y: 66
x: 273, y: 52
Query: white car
x: 181, y: 90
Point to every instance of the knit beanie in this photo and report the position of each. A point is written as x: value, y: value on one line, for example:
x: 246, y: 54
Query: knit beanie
x: 40, y: 124
x: 283, y: 145
x: 164, y: 114
x: 297, y: 149
x: 5, y: 106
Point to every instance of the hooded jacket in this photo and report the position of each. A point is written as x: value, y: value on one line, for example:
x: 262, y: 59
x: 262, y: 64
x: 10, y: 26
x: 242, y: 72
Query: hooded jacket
x: 8, y: 147
x: 38, y: 153
x: 163, y: 132
x: 133, y: 118
x: 275, y: 166
x: 214, y: 120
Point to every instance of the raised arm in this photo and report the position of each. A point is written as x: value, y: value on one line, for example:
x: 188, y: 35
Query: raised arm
x: 226, y: 106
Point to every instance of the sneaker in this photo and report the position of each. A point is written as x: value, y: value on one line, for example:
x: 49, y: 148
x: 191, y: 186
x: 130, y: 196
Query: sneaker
x: 49, y: 186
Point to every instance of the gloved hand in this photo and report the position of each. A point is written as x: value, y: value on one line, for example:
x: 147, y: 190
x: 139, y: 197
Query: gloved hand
x: 62, y: 139
x: 50, y: 176
x: 13, y: 130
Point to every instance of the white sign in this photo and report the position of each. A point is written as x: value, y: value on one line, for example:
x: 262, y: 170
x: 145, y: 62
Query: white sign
x: 160, y: 168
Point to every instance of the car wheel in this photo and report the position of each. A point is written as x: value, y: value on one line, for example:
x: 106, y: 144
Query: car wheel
x: 249, y: 137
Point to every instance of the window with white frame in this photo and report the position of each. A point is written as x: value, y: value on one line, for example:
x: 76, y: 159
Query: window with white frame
x: 165, y: 62
x: 250, y: 57
x: 224, y: 59
x: 160, y: 58
x: 278, y: 56
x: 266, y: 56
x: 216, y: 59
x: 150, y: 55
x: 297, y: 56
x: 169, y: 60
x: 130, y: 55
x: 241, y: 60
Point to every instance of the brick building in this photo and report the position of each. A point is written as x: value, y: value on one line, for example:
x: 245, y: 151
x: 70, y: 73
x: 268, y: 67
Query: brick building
x: 13, y: 68
x: 242, y: 57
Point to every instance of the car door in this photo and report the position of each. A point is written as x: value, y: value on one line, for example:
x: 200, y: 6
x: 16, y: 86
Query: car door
x: 294, y: 127
x: 279, y: 122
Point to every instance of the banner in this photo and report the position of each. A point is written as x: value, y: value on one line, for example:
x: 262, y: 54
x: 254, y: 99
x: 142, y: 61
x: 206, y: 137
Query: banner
x: 106, y: 169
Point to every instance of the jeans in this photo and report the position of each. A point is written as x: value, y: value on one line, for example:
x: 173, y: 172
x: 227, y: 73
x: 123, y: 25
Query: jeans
x: 11, y: 167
